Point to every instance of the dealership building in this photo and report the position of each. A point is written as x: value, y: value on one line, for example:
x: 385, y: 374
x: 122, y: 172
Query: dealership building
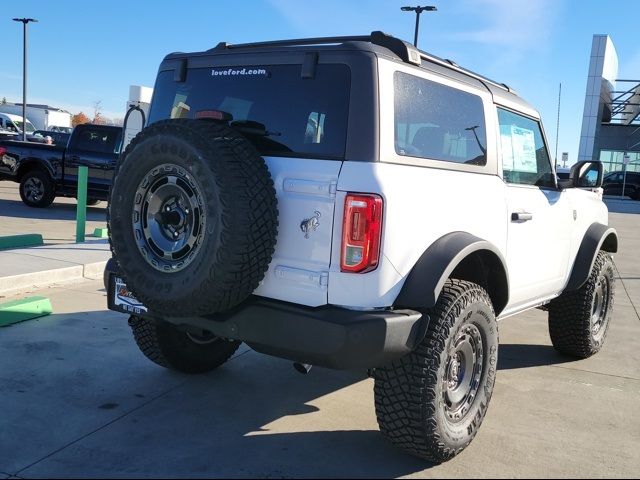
x: 611, y: 118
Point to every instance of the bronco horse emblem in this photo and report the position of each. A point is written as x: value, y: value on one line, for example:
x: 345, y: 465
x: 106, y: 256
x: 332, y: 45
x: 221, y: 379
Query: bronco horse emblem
x: 310, y: 224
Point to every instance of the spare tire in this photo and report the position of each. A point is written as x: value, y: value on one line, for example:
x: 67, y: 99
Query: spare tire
x: 192, y: 217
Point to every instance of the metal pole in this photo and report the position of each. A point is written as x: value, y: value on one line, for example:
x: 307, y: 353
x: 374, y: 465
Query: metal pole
x: 418, y: 11
x: 81, y: 212
x: 24, y: 21
x: 558, y: 121
x: 24, y: 81
x: 624, y: 178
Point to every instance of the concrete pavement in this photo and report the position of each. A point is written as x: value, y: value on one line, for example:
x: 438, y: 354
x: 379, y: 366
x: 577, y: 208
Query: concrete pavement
x: 77, y: 399
x: 40, y: 267
x: 56, y: 223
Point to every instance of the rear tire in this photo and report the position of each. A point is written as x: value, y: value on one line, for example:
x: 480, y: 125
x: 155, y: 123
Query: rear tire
x: 579, y: 320
x: 37, y: 189
x: 431, y: 402
x: 169, y: 347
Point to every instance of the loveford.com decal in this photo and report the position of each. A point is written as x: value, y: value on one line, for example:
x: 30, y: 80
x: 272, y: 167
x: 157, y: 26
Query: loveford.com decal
x: 217, y: 72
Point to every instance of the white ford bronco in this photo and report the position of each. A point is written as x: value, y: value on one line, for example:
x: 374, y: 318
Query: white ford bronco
x: 354, y: 203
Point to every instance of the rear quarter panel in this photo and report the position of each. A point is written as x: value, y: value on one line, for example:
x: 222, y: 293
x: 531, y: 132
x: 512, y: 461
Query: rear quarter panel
x: 423, y: 200
x: 420, y: 205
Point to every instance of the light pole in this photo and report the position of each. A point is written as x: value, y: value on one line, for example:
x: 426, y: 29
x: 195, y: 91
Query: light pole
x: 24, y: 21
x: 418, y: 11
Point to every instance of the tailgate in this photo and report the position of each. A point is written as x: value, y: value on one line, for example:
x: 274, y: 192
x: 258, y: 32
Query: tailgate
x: 306, y: 191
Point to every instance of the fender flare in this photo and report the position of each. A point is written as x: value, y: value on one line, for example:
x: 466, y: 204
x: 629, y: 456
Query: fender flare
x: 425, y: 281
x: 31, y: 163
x: 597, y: 237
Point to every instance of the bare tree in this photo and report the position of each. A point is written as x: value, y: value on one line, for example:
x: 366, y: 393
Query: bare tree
x: 97, y: 112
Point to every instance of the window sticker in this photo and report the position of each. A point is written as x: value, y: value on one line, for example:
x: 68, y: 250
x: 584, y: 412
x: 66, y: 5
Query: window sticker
x: 519, y: 150
x: 507, y: 149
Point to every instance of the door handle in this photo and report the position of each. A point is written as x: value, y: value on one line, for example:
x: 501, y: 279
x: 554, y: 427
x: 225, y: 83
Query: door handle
x: 521, y: 216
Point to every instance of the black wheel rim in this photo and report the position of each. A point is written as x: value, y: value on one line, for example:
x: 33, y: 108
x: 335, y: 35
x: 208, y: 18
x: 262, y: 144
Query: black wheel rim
x: 33, y: 189
x: 463, y: 372
x: 600, y: 307
x: 169, y: 218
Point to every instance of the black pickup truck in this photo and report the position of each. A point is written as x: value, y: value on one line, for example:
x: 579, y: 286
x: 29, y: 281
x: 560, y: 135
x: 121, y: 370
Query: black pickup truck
x: 46, y: 171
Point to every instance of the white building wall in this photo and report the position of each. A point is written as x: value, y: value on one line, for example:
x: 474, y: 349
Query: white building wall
x: 603, y: 71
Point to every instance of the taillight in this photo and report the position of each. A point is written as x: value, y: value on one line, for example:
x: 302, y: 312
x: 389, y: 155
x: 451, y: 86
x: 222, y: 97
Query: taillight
x: 2, y: 151
x: 361, y: 232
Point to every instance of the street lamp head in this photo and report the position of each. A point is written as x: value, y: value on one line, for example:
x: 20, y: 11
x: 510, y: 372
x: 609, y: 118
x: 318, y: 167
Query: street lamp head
x: 25, y: 20
x: 419, y: 9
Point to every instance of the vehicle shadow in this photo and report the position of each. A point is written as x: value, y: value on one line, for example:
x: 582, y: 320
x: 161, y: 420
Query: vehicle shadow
x: 512, y: 356
x: 110, y: 412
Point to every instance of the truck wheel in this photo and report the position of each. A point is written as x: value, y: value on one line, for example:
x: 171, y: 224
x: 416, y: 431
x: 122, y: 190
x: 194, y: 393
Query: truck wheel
x: 37, y: 189
x: 192, y: 217
x: 432, y: 401
x: 579, y: 320
x: 165, y: 345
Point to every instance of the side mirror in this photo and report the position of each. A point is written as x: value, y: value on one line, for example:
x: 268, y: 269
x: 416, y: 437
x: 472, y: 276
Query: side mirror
x: 586, y: 174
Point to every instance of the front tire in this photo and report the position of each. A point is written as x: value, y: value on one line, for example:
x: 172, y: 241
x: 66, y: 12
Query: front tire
x: 431, y: 402
x: 169, y: 347
x: 579, y: 320
x: 37, y: 189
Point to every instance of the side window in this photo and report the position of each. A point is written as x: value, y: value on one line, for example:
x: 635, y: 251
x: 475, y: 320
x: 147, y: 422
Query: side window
x: 525, y: 159
x: 438, y: 122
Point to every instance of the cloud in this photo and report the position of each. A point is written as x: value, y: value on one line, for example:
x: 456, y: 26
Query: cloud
x: 338, y: 16
x: 514, y: 26
x: 10, y: 76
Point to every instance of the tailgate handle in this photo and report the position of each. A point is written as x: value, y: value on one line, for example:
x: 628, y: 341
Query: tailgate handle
x: 521, y: 216
x: 317, y: 279
x: 310, y: 187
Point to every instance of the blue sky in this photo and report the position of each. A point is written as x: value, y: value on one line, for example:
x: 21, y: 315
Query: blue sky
x: 81, y: 52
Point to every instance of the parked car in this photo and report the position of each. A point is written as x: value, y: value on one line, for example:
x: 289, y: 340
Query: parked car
x: 46, y: 171
x: 13, y: 123
x: 297, y: 196
x: 614, y: 182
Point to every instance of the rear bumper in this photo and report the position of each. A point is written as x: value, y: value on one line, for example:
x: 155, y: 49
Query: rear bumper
x: 327, y: 336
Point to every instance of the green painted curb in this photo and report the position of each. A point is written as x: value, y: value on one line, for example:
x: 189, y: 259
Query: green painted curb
x: 101, y: 233
x: 19, y: 241
x: 24, y: 309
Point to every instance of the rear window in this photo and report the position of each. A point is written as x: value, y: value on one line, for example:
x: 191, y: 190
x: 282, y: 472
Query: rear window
x: 301, y: 116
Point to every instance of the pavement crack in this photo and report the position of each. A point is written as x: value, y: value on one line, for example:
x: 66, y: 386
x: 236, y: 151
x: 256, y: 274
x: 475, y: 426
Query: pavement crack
x: 103, y: 426
x: 596, y: 373
x: 626, y: 291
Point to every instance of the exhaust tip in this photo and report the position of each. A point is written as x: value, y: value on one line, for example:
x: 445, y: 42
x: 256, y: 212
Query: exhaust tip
x: 302, y: 368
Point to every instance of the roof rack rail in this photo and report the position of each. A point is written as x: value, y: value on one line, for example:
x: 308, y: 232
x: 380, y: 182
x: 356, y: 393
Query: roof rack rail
x: 454, y: 66
x: 406, y: 51
x: 294, y: 42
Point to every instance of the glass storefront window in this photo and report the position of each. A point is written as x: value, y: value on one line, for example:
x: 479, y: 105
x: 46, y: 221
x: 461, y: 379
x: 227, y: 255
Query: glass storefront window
x: 613, y: 161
